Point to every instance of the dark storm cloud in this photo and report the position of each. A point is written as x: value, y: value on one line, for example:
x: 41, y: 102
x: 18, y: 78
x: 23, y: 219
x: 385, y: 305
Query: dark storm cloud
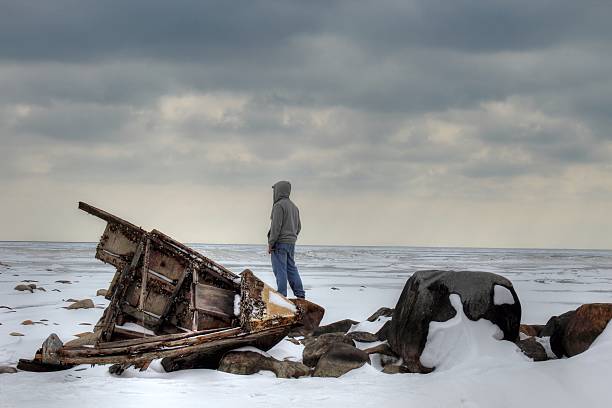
x: 367, y: 95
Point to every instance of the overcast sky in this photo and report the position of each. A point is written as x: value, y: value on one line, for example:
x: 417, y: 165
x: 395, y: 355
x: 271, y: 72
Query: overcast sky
x: 444, y: 123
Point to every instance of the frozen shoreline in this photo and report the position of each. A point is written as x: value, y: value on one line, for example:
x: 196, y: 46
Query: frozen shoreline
x: 548, y: 282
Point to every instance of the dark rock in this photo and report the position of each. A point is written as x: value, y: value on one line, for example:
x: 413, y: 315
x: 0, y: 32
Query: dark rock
x: 425, y: 298
x: 339, y: 360
x: 382, y: 349
x: 315, y: 347
x: 555, y: 329
x: 363, y: 337
x: 382, y: 333
x: 532, y: 349
x: 394, y: 369
x: 341, y: 326
x: 335, y: 288
x: 41, y: 289
x: 387, y: 356
x: 7, y: 370
x: 531, y: 330
x: 32, y: 285
x: 583, y: 327
x: 27, y: 322
x: 66, y: 282
x: 382, y: 312
x: 16, y: 334
x: 251, y: 362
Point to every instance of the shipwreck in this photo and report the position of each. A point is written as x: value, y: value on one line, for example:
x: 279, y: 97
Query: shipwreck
x: 169, y: 302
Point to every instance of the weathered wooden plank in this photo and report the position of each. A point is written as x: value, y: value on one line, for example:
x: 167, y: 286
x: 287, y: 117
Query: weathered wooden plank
x: 168, y: 266
x: 118, y: 294
x: 215, y: 301
x: 94, y: 356
x: 109, y: 217
x: 155, y: 339
x: 172, y: 299
x: 148, y: 347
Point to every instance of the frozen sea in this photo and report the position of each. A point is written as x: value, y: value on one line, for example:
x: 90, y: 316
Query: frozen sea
x: 350, y: 282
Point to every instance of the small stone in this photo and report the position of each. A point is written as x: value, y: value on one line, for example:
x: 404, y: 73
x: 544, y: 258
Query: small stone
x: 55, y: 290
x: 251, y: 362
x: 23, y: 288
x: 41, y: 289
x: 7, y: 370
x: 82, y: 304
x: 102, y: 292
x: 84, y: 324
x: 44, y: 320
x: 394, y: 369
x: 532, y: 349
x: 341, y: 326
x: 334, y: 288
x: 531, y: 330
x: 363, y: 337
x: 32, y: 285
x: 27, y: 322
x: 65, y: 282
x: 16, y: 334
x: 71, y: 300
x: 382, y: 312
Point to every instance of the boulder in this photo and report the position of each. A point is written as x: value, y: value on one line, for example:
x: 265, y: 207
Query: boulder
x: 102, y: 292
x: 311, y: 315
x: 583, y: 327
x: 382, y: 312
x: 7, y: 370
x: 339, y: 360
x: 315, y: 347
x: 425, y: 298
x: 82, y: 304
x: 387, y: 356
x: 363, y: 337
x: 50, y: 349
x: 531, y: 330
x: 251, y: 362
x: 341, y: 326
x: 532, y: 349
x: 23, y: 288
x: 555, y: 329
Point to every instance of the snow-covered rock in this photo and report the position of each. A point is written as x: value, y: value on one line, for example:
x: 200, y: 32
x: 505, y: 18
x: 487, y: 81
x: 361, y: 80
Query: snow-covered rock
x: 425, y: 299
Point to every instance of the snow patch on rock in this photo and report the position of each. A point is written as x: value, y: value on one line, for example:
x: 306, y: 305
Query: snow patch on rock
x: 502, y: 296
x: 463, y: 342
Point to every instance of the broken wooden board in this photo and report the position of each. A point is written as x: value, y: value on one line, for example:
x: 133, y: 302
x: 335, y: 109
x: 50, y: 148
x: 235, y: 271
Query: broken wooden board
x: 262, y: 307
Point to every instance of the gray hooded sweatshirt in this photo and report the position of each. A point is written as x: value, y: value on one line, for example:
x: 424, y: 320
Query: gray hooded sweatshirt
x: 285, y: 225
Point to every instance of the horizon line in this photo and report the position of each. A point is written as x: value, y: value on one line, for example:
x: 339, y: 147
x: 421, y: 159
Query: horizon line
x: 344, y: 245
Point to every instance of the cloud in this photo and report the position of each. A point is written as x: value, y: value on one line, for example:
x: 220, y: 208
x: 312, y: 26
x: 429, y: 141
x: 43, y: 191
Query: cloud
x: 422, y: 100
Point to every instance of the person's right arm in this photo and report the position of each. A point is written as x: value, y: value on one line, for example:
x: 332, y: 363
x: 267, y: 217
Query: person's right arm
x: 275, y: 225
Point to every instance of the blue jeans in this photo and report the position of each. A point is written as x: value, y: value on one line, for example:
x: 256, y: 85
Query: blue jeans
x: 283, y: 265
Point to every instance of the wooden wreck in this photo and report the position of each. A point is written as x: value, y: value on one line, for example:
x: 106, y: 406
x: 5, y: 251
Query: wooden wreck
x: 171, y: 302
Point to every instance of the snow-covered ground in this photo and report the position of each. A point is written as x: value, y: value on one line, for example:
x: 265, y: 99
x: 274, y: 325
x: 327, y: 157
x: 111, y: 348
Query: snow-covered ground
x: 350, y: 282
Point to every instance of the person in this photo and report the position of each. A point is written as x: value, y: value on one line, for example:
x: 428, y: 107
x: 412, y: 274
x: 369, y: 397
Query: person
x: 285, y: 227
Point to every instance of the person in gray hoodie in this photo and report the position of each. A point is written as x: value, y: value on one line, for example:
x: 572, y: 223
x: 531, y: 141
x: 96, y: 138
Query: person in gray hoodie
x: 284, y: 230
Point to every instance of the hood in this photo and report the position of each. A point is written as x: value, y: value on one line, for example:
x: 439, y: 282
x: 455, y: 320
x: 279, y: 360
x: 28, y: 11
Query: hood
x: 282, y: 189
